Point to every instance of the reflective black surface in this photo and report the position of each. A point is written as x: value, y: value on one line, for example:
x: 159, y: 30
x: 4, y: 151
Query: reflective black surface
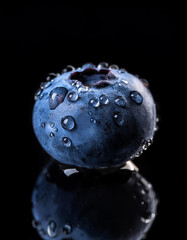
x: 37, y: 39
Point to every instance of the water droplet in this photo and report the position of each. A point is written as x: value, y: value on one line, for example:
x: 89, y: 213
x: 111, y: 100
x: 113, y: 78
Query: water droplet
x: 137, y: 97
x: 76, y: 83
x: 57, y: 96
x: 83, y: 89
x: 67, y: 229
x: 73, y: 96
x: 68, y: 68
x: 43, y: 124
x: 104, y: 99
x: 147, y: 143
x: 68, y: 123
x: 90, y: 113
x: 37, y: 94
x: 120, y: 101
x: 148, y: 219
x: 94, y: 102
x: 36, y: 224
x: 88, y: 65
x: 55, y: 129
x: 52, y: 135
x: 125, y: 81
x: 92, y: 120
x: 122, y: 70
x: 66, y: 141
x: 119, y: 119
x: 142, y: 192
x: 44, y: 85
x: 51, y: 76
x: 51, y: 229
x: 102, y: 65
x: 114, y: 66
x: 51, y: 124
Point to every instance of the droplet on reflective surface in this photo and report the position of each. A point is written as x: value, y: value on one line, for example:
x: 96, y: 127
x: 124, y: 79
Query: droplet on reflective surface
x: 68, y: 123
x: 66, y: 141
x: 67, y: 229
x: 73, y: 96
x: 51, y: 229
x: 137, y: 97
x: 94, y: 102
x: 120, y: 101
x: 148, y: 219
x: 52, y: 135
x: 113, y: 66
x: 119, y: 119
x: 104, y: 99
x: 102, y: 65
x: 57, y: 96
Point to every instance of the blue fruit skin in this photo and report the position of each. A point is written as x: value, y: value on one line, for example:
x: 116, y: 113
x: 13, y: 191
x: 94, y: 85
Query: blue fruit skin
x: 103, y: 136
x: 115, y: 206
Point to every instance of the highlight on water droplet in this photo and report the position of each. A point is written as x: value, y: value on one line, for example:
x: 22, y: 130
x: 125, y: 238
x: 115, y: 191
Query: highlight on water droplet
x: 113, y: 66
x: 149, y: 218
x: 73, y: 96
x: 66, y: 141
x: 68, y: 123
x: 52, y: 135
x: 119, y: 119
x: 92, y: 120
x: 67, y: 229
x: 44, y: 85
x: 120, y: 101
x: 43, y: 124
x: 104, y: 99
x: 136, y: 96
x: 94, y: 102
x: 37, y: 93
x: 57, y: 96
x: 102, y: 65
x: 51, y: 229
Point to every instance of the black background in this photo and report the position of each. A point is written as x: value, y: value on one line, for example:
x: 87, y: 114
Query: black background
x: 40, y: 38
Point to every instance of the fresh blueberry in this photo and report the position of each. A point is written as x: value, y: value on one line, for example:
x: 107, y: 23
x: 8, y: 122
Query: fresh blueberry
x: 88, y: 206
x: 94, y: 117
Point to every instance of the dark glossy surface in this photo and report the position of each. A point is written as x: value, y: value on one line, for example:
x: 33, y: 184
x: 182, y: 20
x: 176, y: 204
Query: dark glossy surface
x: 90, y: 205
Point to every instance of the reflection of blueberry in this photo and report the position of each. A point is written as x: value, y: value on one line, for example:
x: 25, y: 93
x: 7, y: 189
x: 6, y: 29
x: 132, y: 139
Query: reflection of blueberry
x: 118, y: 205
x: 94, y: 117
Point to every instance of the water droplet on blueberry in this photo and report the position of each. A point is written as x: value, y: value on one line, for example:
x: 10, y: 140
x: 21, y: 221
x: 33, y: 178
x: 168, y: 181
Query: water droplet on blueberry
x: 44, y: 85
x: 120, y: 101
x: 68, y: 123
x: 67, y: 229
x: 51, y: 229
x: 119, y: 119
x: 37, y: 94
x: 43, y: 124
x: 92, y: 120
x: 102, y: 65
x: 88, y: 65
x: 137, y: 97
x: 148, y: 219
x: 66, y: 141
x: 94, y: 102
x: 104, y: 99
x: 57, y: 96
x: 73, y: 96
x: 52, y: 135
x: 114, y: 66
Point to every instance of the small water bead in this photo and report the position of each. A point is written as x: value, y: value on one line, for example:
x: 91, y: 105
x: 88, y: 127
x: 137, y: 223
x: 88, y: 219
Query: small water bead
x: 104, y: 99
x: 122, y: 70
x: 44, y: 85
x: 88, y: 65
x: 120, y: 101
x: 36, y: 224
x: 94, y: 102
x: 43, y: 124
x: 51, y: 229
x: 52, y: 135
x: 125, y: 81
x: 68, y: 68
x: 149, y: 218
x: 113, y: 66
x: 51, y: 76
x: 37, y: 94
x: 90, y: 113
x: 73, y: 96
x: 92, y: 120
x: 102, y: 65
x: 119, y: 119
x: 67, y: 229
x: 66, y: 141
x: 136, y: 96
x: 57, y: 96
x: 147, y: 143
x: 83, y: 89
x: 51, y: 124
x: 68, y: 123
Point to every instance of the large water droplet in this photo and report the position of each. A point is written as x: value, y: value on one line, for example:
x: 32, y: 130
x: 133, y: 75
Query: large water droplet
x: 67, y: 229
x: 104, y: 99
x: 68, y: 123
x: 137, y: 97
x: 66, y: 141
x: 73, y: 96
x: 94, y: 102
x: 51, y: 229
x: 102, y: 65
x: 120, y: 101
x: 119, y: 119
x: 57, y: 96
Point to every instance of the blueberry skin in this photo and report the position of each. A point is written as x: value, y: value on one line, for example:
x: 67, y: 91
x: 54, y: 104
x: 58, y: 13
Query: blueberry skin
x: 118, y: 205
x: 94, y: 118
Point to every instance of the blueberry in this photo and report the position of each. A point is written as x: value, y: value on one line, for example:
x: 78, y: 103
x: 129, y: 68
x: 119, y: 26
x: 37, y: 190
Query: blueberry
x: 77, y: 205
x: 94, y: 117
